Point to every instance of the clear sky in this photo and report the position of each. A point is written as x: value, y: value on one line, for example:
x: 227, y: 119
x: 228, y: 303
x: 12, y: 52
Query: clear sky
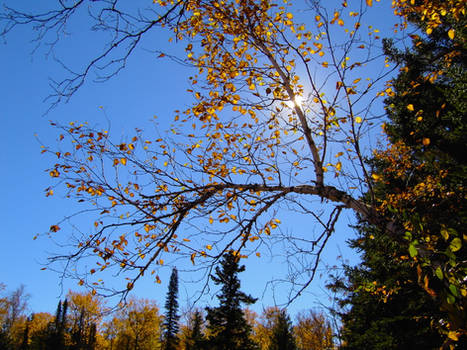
x: 147, y: 87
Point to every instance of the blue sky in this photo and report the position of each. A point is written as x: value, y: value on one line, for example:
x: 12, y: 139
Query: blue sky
x: 147, y: 87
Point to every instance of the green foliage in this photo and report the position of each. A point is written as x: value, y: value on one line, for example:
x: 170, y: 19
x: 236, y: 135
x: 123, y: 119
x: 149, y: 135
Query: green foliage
x: 386, y: 307
x: 282, y: 333
x: 428, y: 116
x: 196, y: 339
x: 227, y: 326
x: 171, y: 316
x: 411, y: 283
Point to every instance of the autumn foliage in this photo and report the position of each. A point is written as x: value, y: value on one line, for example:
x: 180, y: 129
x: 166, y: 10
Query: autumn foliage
x: 282, y: 120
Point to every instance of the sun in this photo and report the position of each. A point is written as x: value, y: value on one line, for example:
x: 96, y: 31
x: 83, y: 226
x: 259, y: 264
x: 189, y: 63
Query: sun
x: 297, y: 102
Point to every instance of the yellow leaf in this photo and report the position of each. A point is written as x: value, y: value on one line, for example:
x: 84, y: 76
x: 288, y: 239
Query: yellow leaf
x: 426, y: 141
x: 453, y: 335
x: 451, y: 34
x: 325, y: 64
x: 369, y: 2
x: 429, y: 30
x: 192, y: 257
x: 289, y: 15
x: 209, y: 247
x: 410, y: 107
x: 258, y: 254
x: 338, y: 166
x: 358, y: 120
x: 54, y: 173
x: 375, y: 177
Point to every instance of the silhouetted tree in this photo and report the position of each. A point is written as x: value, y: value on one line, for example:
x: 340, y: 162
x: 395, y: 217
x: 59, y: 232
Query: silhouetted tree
x: 282, y: 333
x: 55, y: 338
x: 196, y: 339
x: 171, y: 317
x: 227, y: 326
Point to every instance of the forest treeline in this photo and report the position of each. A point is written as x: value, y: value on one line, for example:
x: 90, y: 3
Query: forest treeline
x: 82, y: 321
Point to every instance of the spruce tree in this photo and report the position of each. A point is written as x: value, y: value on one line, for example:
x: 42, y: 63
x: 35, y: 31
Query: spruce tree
x: 227, y: 326
x: 55, y: 338
x: 282, y: 333
x: 409, y: 282
x: 171, y: 317
x: 400, y: 319
x: 196, y: 339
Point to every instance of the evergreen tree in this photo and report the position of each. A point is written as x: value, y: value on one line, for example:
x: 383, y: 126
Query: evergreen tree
x: 396, y: 316
x: 282, y: 333
x: 196, y: 339
x: 411, y: 282
x: 227, y: 326
x: 55, y: 338
x: 427, y: 188
x: 171, y: 317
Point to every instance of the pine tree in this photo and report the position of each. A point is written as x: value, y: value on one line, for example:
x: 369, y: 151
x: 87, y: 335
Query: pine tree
x: 171, y: 317
x: 282, y: 333
x: 227, y: 326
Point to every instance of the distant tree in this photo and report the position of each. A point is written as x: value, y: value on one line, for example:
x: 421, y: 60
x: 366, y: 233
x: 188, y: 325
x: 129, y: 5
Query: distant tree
x: 171, y: 316
x: 313, y: 331
x: 263, y: 325
x: 40, y: 327
x: 282, y: 333
x: 5, y: 342
x: 12, y: 317
x: 85, y: 315
x: 55, y: 338
x: 136, y: 325
x: 25, y: 341
x: 227, y: 326
x: 196, y: 339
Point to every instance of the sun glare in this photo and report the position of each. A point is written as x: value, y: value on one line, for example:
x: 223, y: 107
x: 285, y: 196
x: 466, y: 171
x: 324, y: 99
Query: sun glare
x: 298, y: 101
